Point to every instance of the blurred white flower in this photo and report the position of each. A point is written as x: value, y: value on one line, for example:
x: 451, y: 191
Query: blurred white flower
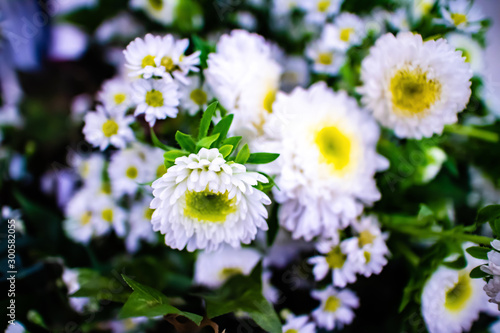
x: 463, y: 15
x: 295, y: 73
x: 108, y: 127
x: 140, y: 225
x: 326, y: 58
x: 115, y: 93
x: 80, y: 104
x: 122, y: 26
x: 194, y: 96
x: 162, y: 11
x: 67, y: 42
x: 318, y: 11
x: 70, y: 279
x: 347, y: 30
x: 336, y: 308
x: 299, y: 324
x: 471, y: 50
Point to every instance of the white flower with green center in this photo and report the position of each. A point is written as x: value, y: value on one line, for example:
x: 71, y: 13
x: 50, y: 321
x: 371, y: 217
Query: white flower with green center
x: 325, y: 58
x: 157, y: 99
x: 471, y: 50
x: 140, y: 225
x: 327, y: 160
x: 115, y: 93
x: 141, y: 54
x: 336, y: 308
x: 203, y: 202
x: 162, y: 11
x: 339, y: 258
x: 194, y: 96
x: 108, y: 127
x: 415, y: 87
x: 463, y: 15
x: 451, y: 300
x: 347, y: 30
x: 128, y: 168
x: 318, y: 11
x: 300, y: 324
x: 212, y: 269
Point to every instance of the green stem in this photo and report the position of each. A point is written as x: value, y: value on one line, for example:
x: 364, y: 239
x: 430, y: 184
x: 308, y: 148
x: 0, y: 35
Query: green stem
x: 472, y: 132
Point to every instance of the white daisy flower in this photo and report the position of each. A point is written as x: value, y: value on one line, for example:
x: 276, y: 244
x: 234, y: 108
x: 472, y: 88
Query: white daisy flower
x: 194, y: 96
x: 295, y: 73
x: 463, y: 15
x: 326, y: 59
x: 70, y: 279
x: 127, y: 169
x: 157, y: 99
x: 115, y: 93
x: 471, y: 50
x: 371, y: 248
x: 421, y: 8
x: 244, y: 77
x: 493, y: 266
x: 108, y: 127
x: 327, y: 160
x: 299, y: 324
x: 415, y: 87
x: 318, y: 11
x: 80, y: 217
x: 140, y: 226
x: 108, y: 215
x: 141, y: 56
x: 162, y: 11
x: 89, y: 168
x: 399, y: 20
x: 451, y: 300
x: 155, y: 162
x: 203, y: 201
x: 336, y: 308
x: 341, y: 259
x: 347, y: 30
x: 212, y: 269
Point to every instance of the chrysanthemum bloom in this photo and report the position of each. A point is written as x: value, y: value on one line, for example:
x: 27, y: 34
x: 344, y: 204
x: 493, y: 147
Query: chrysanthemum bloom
x: 336, y: 308
x: 115, y: 93
x: 105, y: 127
x: 203, y: 201
x: 415, y: 87
x: 327, y: 160
x: 157, y: 99
x: 299, y: 324
x: 214, y: 268
x: 451, y: 300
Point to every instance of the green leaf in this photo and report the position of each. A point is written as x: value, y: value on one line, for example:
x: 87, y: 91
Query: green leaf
x: 92, y: 284
x: 478, y: 273
x: 149, y: 302
x: 262, y: 158
x: 185, y: 141
x: 207, y: 142
x: 495, y: 226
x: 170, y: 156
x: 158, y: 143
x: 222, y: 128
x: 204, y: 47
x: 488, y: 213
x: 459, y: 263
x: 478, y: 252
x: 206, y: 120
x: 233, y: 141
x: 226, y: 150
x: 243, y: 155
x: 271, y: 183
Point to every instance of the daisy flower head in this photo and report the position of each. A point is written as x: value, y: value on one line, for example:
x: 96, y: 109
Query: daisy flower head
x: 141, y: 54
x: 421, y: 8
x: 108, y: 127
x: 415, y: 87
x: 108, y: 215
x: 452, y: 300
x: 463, y: 15
x: 140, y: 225
x: 336, y: 308
x: 318, y: 11
x: 325, y: 58
x: 327, y: 160
x: 471, y: 50
x: 194, y: 96
x: 115, y: 93
x: 212, y: 269
x: 162, y: 11
x: 80, y: 217
x: 347, y: 30
x: 89, y: 168
x: 299, y: 324
x: 340, y: 258
x: 157, y: 99
x: 204, y: 201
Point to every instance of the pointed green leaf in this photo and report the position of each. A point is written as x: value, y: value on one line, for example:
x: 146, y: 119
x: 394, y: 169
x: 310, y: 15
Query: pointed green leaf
x: 243, y: 155
x: 185, y: 141
x: 488, y: 213
x: 478, y: 273
x: 459, y: 263
x: 233, y: 141
x: 158, y: 143
x: 222, y: 128
x: 226, y: 150
x: 207, y: 142
x: 206, y: 120
x: 478, y: 252
x: 262, y: 158
x: 170, y: 156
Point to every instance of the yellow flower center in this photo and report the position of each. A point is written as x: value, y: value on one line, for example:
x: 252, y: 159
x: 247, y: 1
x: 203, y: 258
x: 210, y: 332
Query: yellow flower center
x: 154, y: 98
x: 458, y: 18
x: 336, y: 258
x: 323, y: 5
x: 269, y: 100
x: 107, y: 215
x: 131, y: 172
x: 168, y: 63
x: 156, y: 4
x: 208, y: 206
x: 367, y: 256
x: 292, y: 331
x: 148, y: 213
x: 413, y: 92
x: 365, y: 238
x: 148, y: 60
x: 334, y: 146
x: 110, y: 128
x: 345, y: 34
x: 160, y: 171
x: 332, y: 304
x: 325, y: 58
x: 458, y: 295
x: 120, y: 98
x: 228, y: 272
x: 85, y: 219
x: 198, y: 96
